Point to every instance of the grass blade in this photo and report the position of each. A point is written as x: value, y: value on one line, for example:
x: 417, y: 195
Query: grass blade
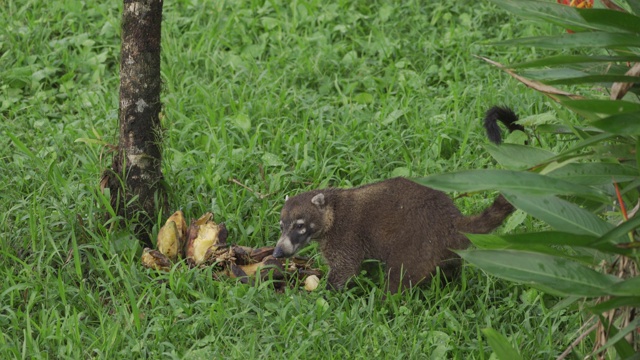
x: 500, y: 345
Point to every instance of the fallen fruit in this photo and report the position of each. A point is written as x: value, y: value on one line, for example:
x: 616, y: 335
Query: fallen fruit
x: 154, y: 259
x: 311, y: 283
x: 169, y: 242
x: 205, y: 218
x: 178, y: 218
x: 204, y: 244
x: 207, y: 236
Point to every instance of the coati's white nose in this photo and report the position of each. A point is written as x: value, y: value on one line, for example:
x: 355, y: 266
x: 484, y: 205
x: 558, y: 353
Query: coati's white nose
x: 278, y: 253
x: 284, y: 247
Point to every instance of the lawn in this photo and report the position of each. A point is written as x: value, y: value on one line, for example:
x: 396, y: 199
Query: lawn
x: 282, y: 97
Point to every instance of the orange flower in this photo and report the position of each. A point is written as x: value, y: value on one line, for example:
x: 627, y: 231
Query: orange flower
x: 580, y: 4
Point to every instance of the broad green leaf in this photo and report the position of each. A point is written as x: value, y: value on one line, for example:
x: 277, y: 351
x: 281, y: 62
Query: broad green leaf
x: 242, y: 121
x: 621, y: 150
x: 549, y: 74
x: 564, y: 129
x: 602, y: 107
x: 615, y: 302
x: 578, y: 40
x: 552, y: 274
x: 572, y: 60
x: 595, y: 173
x: 592, y: 79
x: 619, y: 233
x: 515, y: 156
x: 495, y: 242
x: 522, y: 182
x: 635, y: 6
x: 516, y: 137
x: 621, y: 124
x: 637, y: 153
x: 500, y: 345
x: 560, y: 214
x: 561, y: 15
x: 538, y: 119
x: 616, y: 339
x: 514, y: 221
x: 628, y: 287
x: 542, y: 240
x: 587, y: 142
x: 612, y: 18
x: 269, y: 159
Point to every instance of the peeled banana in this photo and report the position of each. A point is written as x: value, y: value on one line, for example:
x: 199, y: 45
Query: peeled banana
x: 169, y: 242
x: 204, y: 243
x: 206, y: 236
x: 154, y: 259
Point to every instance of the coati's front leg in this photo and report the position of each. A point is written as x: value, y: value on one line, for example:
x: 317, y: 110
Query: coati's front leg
x: 341, y: 269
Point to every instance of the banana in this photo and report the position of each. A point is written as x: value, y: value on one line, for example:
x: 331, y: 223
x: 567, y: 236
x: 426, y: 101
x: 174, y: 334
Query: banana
x: 204, y: 243
x: 251, y: 269
x: 154, y: 259
x: 169, y: 243
x: 181, y: 224
x: 206, y: 237
x: 205, y: 218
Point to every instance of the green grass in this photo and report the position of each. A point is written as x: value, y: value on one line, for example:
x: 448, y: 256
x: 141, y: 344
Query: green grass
x: 283, y: 97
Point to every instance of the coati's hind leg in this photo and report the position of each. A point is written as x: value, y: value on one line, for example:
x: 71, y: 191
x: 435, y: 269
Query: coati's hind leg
x: 397, y: 278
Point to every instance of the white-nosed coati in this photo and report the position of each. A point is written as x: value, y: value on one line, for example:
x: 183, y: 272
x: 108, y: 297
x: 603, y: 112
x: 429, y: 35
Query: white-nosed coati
x: 409, y: 227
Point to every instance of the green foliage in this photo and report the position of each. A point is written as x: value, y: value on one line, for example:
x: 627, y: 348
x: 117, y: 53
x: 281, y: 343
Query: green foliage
x: 283, y: 96
x: 500, y: 345
x: 573, y: 192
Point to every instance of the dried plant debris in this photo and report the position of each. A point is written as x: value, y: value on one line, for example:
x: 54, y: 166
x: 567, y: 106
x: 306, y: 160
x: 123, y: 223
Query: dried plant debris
x: 204, y: 244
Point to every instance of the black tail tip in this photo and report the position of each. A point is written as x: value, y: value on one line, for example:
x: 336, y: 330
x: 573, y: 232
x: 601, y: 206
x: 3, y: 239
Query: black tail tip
x: 504, y: 115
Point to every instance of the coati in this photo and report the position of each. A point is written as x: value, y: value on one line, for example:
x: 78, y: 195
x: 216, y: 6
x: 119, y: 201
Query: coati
x: 504, y: 115
x: 409, y: 227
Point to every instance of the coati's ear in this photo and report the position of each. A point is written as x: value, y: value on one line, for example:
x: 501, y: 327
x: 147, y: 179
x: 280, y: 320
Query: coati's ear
x: 286, y: 197
x: 318, y: 200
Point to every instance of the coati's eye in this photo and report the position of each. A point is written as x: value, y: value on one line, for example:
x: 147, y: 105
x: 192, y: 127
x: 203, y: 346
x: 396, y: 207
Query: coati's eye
x: 299, y: 226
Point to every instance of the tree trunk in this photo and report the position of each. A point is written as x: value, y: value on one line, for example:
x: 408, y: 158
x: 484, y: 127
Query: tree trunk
x: 135, y: 178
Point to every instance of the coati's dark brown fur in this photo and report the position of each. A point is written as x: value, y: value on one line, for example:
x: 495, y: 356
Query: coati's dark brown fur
x: 409, y: 227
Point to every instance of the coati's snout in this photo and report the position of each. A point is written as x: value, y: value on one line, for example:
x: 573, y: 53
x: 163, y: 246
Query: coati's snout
x: 295, y: 236
x: 299, y: 224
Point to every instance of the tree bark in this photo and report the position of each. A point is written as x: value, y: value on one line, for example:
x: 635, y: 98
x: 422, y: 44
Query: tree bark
x: 135, y: 177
